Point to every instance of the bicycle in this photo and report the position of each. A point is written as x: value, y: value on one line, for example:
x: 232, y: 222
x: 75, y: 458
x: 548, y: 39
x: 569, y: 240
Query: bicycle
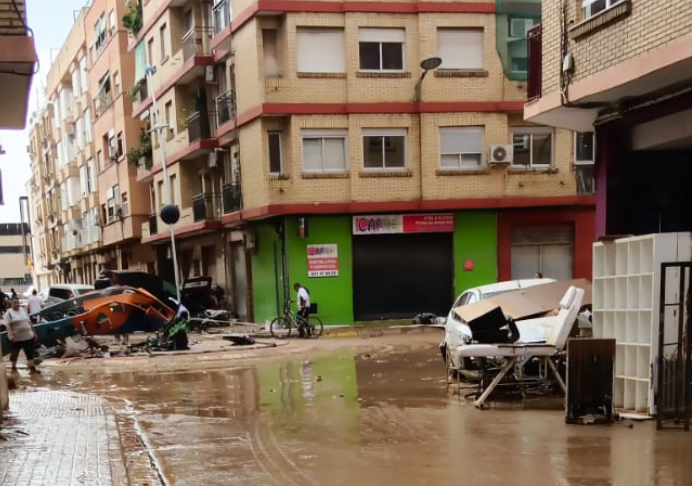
x: 282, y: 326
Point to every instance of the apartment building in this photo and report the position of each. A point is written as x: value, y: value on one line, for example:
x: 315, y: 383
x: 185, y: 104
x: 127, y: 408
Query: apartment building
x: 17, y: 64
x: 623, y: 69
x: 93, y: 207
x: 301, y: 145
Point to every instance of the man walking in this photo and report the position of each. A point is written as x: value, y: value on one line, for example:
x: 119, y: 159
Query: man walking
x: 303, y: 302
x: 35, y: 303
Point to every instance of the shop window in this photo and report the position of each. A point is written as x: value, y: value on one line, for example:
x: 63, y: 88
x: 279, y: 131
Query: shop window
x: 324, y: 150
x: 461, y: 147
x: 460, y: 48
x: 321, y: 51
x: 381, y: 49
x: 384, y: 149
x: 533, y: 147
x: 271, y: 53
x: 275, y: 153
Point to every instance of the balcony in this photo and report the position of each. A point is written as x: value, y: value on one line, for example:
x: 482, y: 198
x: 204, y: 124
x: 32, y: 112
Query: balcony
x: 153, y: 224
x: 102, y: 102
x: 197, y: 127
x: 231, y: 198
x: 206, y: 206
x: 225, y: 106
x: 196, y: 42
x: 142, y: 90
x: 222, y: 16
x: 535, y: 62
x: 17, y: 60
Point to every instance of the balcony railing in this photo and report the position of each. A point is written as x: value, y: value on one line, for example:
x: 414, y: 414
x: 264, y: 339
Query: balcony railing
x: 143, y: 91
x: 225, y: 106
x: 231, y: 198
x: 222, y: 15
x: 535, y: 62
x: 206, y: 206
x: 197, y: 127
x: 153, y: 224
x: 196, y: 42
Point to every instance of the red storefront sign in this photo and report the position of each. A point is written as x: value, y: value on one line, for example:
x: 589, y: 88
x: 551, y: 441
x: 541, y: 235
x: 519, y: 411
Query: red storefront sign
x: 403, y: 223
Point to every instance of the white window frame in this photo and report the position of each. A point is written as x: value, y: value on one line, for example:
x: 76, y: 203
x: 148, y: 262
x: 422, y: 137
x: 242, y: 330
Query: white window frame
x: 464, y: 63
x: 469, y: 129
x: 531, y: 131
x: 385, y: 132
x: 381, y: 70
x: 587, y: 5
x: 325, y: 134
x: 593, y: 155
x: 281, y: 152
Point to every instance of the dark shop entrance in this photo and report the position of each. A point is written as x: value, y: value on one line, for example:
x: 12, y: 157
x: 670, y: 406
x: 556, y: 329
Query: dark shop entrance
x: 396, y: 276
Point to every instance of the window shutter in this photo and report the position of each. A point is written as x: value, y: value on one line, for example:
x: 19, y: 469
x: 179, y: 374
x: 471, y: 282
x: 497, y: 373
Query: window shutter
x: 461, y: 140
x: 321, y: 51
x: 382, y: 35
x: 460, y: 48
x: 83, y: 180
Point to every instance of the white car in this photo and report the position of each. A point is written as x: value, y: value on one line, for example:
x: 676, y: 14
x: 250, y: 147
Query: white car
x: 59, y: 292
x: 457, y: 331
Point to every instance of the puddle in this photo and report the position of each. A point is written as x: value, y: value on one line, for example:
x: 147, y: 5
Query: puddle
x: 370, y: 420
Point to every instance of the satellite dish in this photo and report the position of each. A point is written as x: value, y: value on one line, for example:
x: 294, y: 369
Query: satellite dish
x: 431, y: 63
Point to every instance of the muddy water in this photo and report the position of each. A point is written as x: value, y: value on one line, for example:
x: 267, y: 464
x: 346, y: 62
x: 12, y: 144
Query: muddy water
x: 370, y: 419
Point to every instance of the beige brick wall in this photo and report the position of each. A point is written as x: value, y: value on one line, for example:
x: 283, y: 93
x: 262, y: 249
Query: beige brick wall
x: 261, y: 188
x: 649, y: 25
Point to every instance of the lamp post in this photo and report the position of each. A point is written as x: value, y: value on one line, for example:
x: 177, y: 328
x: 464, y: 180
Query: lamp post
x: 428, y: 64
x: 170, y: 213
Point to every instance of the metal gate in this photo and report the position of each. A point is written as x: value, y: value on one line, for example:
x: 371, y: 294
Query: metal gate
x: 674, y: 380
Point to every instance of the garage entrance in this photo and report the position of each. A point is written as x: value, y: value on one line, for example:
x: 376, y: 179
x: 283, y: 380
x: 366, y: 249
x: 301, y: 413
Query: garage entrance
x: 548, y: 250
x: 400, y: 275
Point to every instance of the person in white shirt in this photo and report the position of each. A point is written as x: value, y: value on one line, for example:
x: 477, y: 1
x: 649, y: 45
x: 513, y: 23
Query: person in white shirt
x: 35, y: 303
x: 303, y: 302
x: 20, y: 333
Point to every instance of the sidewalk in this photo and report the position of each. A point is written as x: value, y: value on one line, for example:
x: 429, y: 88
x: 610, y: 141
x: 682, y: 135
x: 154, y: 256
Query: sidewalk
x: 61, y: 438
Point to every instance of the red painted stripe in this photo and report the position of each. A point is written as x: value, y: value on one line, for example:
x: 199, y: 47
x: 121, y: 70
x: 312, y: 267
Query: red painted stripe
x: 186, y: 67
x: 406, y: 206
x: 428, y: 107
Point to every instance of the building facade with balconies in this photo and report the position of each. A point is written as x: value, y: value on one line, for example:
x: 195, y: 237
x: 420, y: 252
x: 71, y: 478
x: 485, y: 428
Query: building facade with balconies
x: 299, y: 148
x: 622, y: 69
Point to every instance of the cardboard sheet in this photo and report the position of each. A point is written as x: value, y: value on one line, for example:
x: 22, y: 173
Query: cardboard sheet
x: 523, y: 303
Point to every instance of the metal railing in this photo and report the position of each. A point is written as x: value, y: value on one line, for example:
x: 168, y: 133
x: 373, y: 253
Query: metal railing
x: 196, y: 42
x: 197, y: 127
x: 231, y: 198
x: 225, y: 106
x: 222, y: 15
x: 153, y: 224
x: 534, y: 38
x: 206, y: 206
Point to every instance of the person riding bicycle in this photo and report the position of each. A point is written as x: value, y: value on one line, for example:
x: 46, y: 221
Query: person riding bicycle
x: 303, y: 302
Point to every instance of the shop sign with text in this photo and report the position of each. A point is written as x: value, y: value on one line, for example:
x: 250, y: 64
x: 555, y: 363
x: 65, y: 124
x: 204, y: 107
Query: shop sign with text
x: 403, y: 223
x: 323, y: 260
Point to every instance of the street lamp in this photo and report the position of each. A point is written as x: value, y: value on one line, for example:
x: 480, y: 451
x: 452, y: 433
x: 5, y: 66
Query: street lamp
x: 428, y: 64
x: 170, y: 213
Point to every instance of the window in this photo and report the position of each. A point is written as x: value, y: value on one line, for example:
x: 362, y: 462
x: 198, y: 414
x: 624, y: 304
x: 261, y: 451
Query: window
x: 116, y: 83
x: 99, y: 160
x: 584, y: 148
x: 381, y: 49
x: 520, y: 65
x: 112, y: 22
x: 83, y: 181
x: 124, y: 205
x: 461, y: 147
x: 519, y: 27
x: 173, y: 180
x: 159, y: 186
x: 271, y: 54
x: 460, y: 48
x: 275, y: 155
x: 324, y: 150
x: 169, y: 120
x: 150, y: 51
x: 321, y: 51
x: 189, y: 21
x: 110, y: 146
x: 589, y: 8
x: 384, y: 149
x: 87, y: 126
x: 113, y: 203
x: 162, y: 38
x: 84, y: 81
x: 119, y: 145
x: 91, y: 175
x: 100, y: 33
x: 584, y: 156
x: 533, y: 146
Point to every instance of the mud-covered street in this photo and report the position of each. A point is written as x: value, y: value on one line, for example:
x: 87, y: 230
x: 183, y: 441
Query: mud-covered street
x: 369, y: 412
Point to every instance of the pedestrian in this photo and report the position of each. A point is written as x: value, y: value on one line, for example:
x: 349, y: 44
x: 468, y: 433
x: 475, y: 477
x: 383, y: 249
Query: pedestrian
x: 21, y: 334
x: 3, y: 302
x: 35, y: 303
x: 13, y: 294
x: 303, y: 302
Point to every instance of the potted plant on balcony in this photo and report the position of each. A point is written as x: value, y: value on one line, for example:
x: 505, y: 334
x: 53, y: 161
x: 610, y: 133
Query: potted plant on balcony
x: 132, y: 20
x: 142, y: 155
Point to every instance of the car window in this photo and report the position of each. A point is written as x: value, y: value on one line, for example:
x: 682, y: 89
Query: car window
x: 487, y: 295
x: 83, y: 291
x: 472, y: 298
x: 60, y: 293
x: 464, y: 299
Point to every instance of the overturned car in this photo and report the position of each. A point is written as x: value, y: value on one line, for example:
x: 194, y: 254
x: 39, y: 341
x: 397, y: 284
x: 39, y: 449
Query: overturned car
x: 113, y: 310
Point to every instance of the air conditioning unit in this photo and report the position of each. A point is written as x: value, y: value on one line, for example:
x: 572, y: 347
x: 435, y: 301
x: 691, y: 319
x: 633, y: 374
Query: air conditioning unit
x: 501, y: 154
